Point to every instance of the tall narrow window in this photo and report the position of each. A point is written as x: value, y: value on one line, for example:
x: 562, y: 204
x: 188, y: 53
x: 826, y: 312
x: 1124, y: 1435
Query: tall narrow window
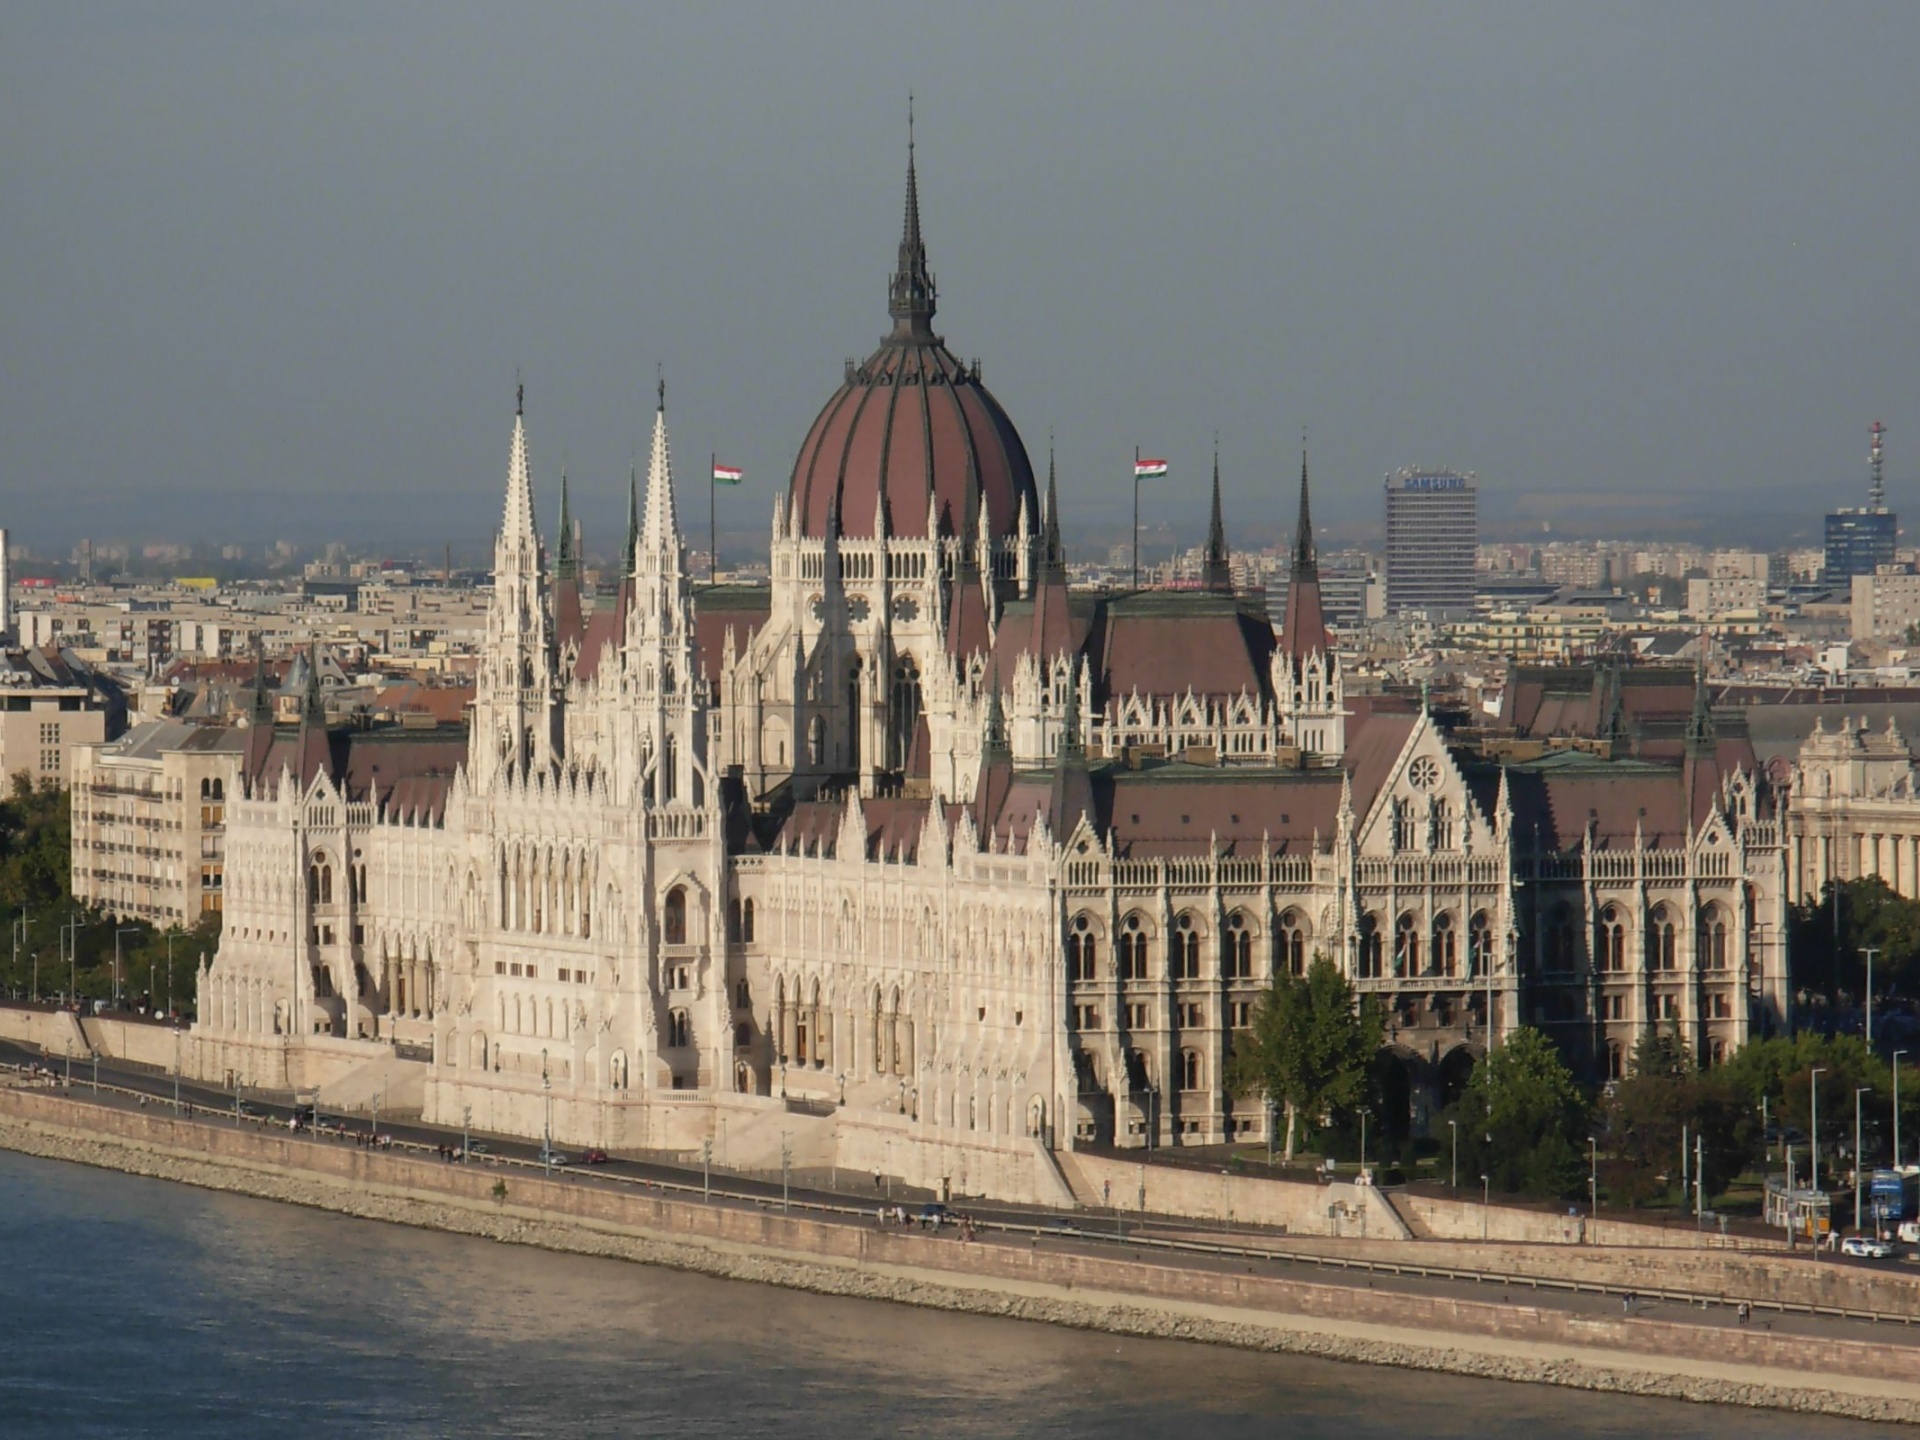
x: 674, y: 919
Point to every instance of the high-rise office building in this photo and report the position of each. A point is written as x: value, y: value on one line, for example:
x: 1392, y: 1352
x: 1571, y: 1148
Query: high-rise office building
x: 1861, y: 541
x: 1433, y: 530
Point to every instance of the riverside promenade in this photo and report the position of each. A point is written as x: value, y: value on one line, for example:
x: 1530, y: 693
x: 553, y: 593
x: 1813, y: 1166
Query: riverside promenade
x: 1059, y: 1276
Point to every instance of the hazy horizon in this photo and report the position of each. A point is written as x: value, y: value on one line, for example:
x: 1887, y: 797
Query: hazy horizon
x: 274, y: 271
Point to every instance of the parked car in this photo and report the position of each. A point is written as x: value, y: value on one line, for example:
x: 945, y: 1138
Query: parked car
x: 555, y: 1158
x: 595, y: 1157
x: 1866, y: 1247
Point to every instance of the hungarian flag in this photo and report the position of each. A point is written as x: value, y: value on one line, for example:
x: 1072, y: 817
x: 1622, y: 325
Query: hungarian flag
x: 727, y: 475
x: 1149, y: 469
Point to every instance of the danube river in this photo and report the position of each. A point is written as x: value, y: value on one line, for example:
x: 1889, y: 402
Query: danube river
x: 135, y: 1307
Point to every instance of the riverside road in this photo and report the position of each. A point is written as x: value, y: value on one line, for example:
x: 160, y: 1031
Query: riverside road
x: 1167, y: 1240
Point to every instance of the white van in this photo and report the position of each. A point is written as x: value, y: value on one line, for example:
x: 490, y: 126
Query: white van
x: 1910, y: 1232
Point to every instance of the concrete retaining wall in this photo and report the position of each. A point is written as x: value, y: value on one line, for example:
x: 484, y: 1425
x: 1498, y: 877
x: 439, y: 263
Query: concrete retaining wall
x: 1107, y: 1292
x: 1350, y: 1211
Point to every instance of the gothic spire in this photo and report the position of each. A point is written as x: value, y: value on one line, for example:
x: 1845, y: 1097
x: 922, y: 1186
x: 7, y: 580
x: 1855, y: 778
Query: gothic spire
x: 994, y: 742
x: 910, y: 294
x: 1052, y: 554
x: 1305, y: 565
x: 566, y: 562
x: 517, y: 524
x: 662, y: 525
x: 1217, y: 574
x: 633, y: 521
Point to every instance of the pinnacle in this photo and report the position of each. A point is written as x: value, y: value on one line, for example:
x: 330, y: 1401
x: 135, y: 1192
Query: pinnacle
x: 662, y: 525
x: 517, y: 523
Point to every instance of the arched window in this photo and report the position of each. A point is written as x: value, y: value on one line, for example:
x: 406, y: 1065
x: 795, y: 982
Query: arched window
x: 1560, y: 938
x: 1133, y: 949
x: 1713, y: 939
x: 1442, y: 825
x: 1616, y: 1061
x: 1239, y: 947
x: 1370, y: 947
x: 1661, y: 950
x: 1184, y: 953
x: 1406, y: 945
x: 903, y: 712
x: 746, y: 921
x: 1293, y: 942
x: 1446, y: 941
x: 1190, y: 1070
x: 817, y: 741
x: 674, y: 919
x: 320, y: 883
x: 1613, y: 940
x: 669, y: 770
x: 1404, y: 829
x: 679, y: 1030
x: 1479, y: 943
x: 742, y: 1035
x: 1717, y: 1051
x: 1082, y: 950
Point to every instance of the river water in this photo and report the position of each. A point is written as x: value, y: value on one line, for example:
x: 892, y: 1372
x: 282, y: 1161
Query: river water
x: 135, y: 1307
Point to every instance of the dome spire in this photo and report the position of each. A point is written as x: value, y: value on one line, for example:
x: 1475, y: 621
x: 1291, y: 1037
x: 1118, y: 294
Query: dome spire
x: 910, y: 294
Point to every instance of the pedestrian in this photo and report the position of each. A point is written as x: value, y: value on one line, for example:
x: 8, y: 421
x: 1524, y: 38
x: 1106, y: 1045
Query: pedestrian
x: 1746, y: 1312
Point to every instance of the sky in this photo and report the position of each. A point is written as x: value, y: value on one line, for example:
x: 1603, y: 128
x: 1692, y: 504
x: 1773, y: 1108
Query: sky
x: 271, y: 271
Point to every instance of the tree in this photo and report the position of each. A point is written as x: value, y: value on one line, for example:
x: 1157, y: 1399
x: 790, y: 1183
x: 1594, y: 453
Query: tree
x: 1667, y: 1105
x: 1828, y: 936
x: 1310, y: 1046
x: 1522, y: 1119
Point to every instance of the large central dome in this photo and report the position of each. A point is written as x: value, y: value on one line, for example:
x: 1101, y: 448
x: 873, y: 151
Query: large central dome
x: 912, y: 423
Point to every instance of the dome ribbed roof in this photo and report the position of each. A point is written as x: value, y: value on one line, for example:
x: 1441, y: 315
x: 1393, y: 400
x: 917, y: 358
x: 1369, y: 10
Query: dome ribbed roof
x: 909, y: 423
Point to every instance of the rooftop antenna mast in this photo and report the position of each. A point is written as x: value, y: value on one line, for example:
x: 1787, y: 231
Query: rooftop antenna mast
x: 1876, y: 468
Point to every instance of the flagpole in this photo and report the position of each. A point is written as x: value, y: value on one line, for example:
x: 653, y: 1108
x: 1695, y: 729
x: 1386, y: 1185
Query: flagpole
x: 713, y: 523
x: 1136, y: 517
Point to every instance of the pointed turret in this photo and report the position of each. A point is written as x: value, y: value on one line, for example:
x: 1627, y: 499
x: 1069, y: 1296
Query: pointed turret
x: 910, y: 294
x: 633, y: 522
x: 515, y: 718
x: 569, y: 620
x: 1053, y: 555
x: 1306, y: 625
x: 1217, y: 572
x: 661, y: 524
x: 517, y: 523
x: 566, y: 563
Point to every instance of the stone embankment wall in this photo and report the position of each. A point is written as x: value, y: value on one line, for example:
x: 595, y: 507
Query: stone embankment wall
x: 1445, y: 1219
x: 1103, y: 1291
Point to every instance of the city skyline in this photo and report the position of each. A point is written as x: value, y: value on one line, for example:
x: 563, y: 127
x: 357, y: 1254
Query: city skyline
x: 354, y: 233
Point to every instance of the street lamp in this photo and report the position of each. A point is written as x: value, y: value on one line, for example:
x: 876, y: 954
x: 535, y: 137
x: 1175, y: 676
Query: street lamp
x: 1871, y: 951
x: 1454, y: 1126
x: 1363, y: 1144
x: 546, y: 1138
x: 1862, y: 1090
x: 128, y: 930
x: 1593, y: 1173
x: 1813, y: 1139
x: 1896, y: 1107
x: 1486, y: 1201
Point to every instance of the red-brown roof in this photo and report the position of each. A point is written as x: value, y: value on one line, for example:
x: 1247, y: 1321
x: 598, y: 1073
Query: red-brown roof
x: 909, y: 422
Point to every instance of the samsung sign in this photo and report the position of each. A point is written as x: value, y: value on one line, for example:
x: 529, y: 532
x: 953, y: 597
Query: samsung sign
x: 1434, y: 482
